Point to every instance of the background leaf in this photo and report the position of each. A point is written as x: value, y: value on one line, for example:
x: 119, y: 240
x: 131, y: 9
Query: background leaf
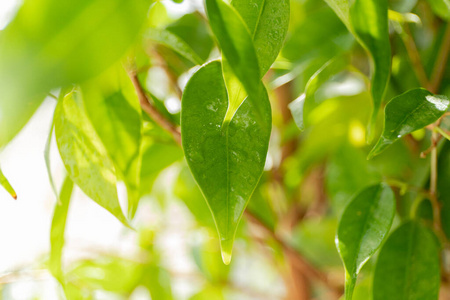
x: 6, y: 185
x: 84, y: 156
x: 364, y: 224
x: 62, y: 44
x: 409, y: 112
x: 114, y: 112
x: 408, y: 265
x: 57, y: 230
x: 226, y: 160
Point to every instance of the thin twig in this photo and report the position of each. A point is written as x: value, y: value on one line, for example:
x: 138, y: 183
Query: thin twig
x: 414, y: 56
x: 151, y: 110
x: 441, y: 62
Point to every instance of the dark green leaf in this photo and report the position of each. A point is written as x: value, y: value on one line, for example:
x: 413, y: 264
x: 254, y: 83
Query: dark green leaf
x: 226, y: 159
x: 6, y: 185
x: 268, y: 22
x: 409, y: 112
x: 174, y: 42
x: 84, y: 155
x: 408, y: 265
x: 236, y: 43
x: 364, y: 224
x: 57, y: 230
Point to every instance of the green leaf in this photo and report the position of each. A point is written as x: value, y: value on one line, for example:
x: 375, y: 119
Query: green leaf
x: 268, y: 22
x: 84, y: 155
x: 371, y: 23
x: 174, y: 42
x: 441, y: 8
x: 368, y: 21
x: 51, y: 43
x: 57, y: 230
x: 6, y: 185
x: 115, y: 116
x: 408, y: 265
x: 409, y: 112
x: 226, y: 159
x: 236, y: 43
x: 364, y: 224
x: 15, y: 114
x: 302, y: 106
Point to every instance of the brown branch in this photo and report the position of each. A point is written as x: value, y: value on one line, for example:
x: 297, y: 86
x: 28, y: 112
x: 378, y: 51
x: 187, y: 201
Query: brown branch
x: 441, y: 62
x: 295, y: 257
x: 414, y: 56
x: 151, y: 110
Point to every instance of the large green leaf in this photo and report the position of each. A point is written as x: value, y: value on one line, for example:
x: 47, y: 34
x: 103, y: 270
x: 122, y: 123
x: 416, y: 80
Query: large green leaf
x: 441, y: 8
x: 409, y: 112
x: 268, y: 22
x: 226, y: 159
x: 6, y: 185
x: 408, y: 265
x: 364, y: 224
x: 115, y: 115
x: 236, y: 43
x: 57, y: 230
x: 53, y: 43
x: 84, y: 155
x: 368, y: 21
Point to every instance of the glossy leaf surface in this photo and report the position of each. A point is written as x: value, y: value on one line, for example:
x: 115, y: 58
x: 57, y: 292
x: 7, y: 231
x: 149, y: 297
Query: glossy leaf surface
x: 364, y: 224
x: 57, y: 230
x: 236, y: 43
x: 84, y: 156
x: 6, y: 185
x: 226, y: 160
x: 408, y: 265
x: 268, y: 22
x: 409, y: 112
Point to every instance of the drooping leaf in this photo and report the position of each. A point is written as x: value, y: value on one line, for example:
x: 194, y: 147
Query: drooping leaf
x: 441, y: 8
x: 368, y: 21
x: 408, y: 265
x: 409, y: 112
x: 174, y: 42
x: 226, y: 159
x: 84, y: 156
x: 371, y: 23
x: 52, y: 43
x: 6, y: 185
x: 268, y: 22
x: 115, y: 116
x: 236, y: 44
x: 57, y: 230
x: 364, y: 224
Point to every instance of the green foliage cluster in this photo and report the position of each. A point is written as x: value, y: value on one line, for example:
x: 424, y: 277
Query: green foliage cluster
x: 320, y: 121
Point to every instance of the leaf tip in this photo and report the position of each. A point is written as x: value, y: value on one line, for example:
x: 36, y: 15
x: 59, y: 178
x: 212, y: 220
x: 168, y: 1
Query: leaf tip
x: 226, y: 246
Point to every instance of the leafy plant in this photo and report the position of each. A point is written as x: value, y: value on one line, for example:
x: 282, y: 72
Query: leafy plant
x: 263, y: 119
